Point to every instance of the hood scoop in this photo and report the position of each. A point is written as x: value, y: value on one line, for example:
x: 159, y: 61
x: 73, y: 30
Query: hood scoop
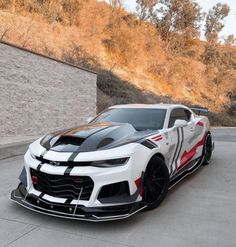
x: 105, y: 142
x: 68, y: 143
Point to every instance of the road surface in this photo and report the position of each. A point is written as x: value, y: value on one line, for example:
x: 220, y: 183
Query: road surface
x: 200, y: 211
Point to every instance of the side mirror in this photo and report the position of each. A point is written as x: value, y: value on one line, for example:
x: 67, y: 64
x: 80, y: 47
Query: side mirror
x: 89, y: 119
x: 179, y: 123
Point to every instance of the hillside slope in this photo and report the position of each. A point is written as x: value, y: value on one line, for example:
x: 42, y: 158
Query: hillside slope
x: 128, y: 52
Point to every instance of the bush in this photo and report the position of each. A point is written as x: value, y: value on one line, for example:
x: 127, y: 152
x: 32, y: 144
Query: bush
x: 75, y: 54
x: 5, y: 4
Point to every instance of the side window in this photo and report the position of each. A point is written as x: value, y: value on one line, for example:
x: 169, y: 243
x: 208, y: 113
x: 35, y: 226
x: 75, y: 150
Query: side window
x: 188, y: 115
x: 179, y: 113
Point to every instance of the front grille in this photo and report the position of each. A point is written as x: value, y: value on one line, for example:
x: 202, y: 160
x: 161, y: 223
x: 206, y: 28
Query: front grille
x: 63, y: 186
x: 63, y: 163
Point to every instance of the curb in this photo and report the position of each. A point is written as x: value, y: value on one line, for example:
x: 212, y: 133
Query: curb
x: 14, y: 149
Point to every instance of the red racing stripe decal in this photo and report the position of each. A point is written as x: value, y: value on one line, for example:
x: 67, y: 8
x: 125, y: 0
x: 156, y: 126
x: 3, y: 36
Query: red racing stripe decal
x: 202, y: 141
x: 188, y: 155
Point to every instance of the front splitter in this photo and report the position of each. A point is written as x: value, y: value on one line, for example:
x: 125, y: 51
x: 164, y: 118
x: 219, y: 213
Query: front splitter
x: 96, y: 214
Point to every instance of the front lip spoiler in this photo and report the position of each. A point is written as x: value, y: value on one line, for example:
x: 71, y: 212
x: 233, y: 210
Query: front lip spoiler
x: 96, y: 214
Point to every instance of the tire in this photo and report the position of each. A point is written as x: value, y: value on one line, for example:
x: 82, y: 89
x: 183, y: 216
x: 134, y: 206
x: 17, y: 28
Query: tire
x: 155, y: 183
x: 207, y: 150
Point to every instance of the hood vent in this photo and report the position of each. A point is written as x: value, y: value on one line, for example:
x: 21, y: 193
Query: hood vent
x: 105, y: 142
x: 69, y: 140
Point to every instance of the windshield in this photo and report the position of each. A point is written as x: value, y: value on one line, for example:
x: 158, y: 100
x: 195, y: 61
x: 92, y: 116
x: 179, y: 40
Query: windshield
x: 141, y: 119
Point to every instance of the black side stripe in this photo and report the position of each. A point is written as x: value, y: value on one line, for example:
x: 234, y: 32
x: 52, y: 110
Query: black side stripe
x: 149, y: 144
x: 177, y: 146
x: 180, y: 148
x: 67, y: 171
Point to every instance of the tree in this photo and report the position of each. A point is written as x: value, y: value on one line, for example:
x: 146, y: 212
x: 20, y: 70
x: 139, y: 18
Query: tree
x: 182, y: 17
x: 172, y: 16
x: 230, y: 40
x: 116, y: 4
x: 214, y: 21
x: 146, y: 8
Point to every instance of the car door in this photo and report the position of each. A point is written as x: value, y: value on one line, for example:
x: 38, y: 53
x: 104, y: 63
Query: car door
x: 180, y: 138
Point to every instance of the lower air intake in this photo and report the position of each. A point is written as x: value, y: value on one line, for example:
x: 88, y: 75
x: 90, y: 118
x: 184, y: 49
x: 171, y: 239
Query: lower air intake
x: 63, y: 186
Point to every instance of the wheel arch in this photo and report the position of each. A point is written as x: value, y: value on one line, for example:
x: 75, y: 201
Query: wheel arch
x: 209, y: 132
x: 159, y: 155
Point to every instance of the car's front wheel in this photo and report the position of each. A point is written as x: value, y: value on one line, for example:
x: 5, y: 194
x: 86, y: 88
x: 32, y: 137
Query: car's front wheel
x: 155, y: 183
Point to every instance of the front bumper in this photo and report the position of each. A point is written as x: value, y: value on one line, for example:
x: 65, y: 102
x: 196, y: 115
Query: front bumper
x: 76, y: 212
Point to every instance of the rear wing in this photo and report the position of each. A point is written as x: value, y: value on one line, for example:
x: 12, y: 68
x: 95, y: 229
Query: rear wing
x: 199, y: 110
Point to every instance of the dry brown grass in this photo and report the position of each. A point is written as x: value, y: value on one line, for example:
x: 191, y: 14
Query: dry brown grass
x: 133, y: 51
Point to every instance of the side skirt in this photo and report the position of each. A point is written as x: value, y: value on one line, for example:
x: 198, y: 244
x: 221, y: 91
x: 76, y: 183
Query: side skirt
x: 190, y: 168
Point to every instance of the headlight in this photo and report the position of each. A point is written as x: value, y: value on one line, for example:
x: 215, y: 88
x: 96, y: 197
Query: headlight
x: 110, y: 163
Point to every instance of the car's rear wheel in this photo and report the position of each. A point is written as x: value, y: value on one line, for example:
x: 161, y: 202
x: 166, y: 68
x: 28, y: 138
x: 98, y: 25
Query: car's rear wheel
x: 155, y: 183
x: 207, y: 150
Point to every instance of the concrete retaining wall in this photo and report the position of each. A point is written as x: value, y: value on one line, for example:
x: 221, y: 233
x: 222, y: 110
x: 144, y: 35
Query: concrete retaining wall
x: 38, y: 94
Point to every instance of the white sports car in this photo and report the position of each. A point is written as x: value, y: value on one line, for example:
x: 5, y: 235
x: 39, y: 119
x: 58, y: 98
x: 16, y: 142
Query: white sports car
x: 124, y: 161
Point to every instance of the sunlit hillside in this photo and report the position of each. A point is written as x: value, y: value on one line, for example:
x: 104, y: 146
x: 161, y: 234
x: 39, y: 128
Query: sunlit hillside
x: 128, y: 53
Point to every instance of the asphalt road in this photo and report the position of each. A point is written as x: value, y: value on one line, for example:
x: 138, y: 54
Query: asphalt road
x: 200, y: 211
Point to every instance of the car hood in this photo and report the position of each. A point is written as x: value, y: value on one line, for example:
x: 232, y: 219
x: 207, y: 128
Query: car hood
x: 93, y: 136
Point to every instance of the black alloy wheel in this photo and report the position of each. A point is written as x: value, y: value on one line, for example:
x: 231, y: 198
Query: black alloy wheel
x: 155, y: 183
x: 207, y: 150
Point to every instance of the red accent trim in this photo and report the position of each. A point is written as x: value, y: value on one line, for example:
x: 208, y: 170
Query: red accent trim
x: 157, y: 138
x: 188, y: 155
x: 200, y: 124
x: 34, y: 179
x: 138, y: 184
x: 202, y: 141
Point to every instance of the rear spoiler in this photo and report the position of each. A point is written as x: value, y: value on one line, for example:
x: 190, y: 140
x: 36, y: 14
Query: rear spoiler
x: 199, y: 110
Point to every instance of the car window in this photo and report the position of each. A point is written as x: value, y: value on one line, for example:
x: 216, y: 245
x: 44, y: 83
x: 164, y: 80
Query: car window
x: 188, y: 115
x: 141, y: 119
x: 179, y: 113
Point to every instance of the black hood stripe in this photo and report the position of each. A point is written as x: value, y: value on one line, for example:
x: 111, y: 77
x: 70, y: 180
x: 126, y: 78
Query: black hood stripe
x: 67, y: 171
x: 43, y: 153
x: 41, y: 195
x: 39, y: 167
x: 73, y: 156
x: 68, y: 201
